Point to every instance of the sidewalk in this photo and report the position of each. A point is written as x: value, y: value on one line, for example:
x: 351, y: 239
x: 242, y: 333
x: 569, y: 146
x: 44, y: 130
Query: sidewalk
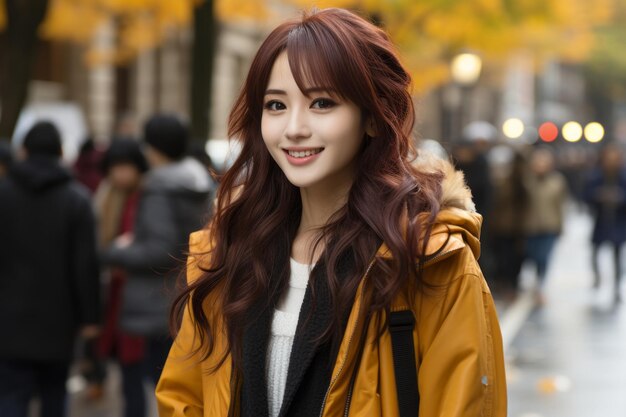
x: 567, y: 358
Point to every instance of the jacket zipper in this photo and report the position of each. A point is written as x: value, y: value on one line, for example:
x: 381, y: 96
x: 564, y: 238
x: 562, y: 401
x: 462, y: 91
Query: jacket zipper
x: 359, y: 356
x: 349, y: 340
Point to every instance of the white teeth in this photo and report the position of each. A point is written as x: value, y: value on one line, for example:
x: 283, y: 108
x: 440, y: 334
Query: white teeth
x: 304, y: 154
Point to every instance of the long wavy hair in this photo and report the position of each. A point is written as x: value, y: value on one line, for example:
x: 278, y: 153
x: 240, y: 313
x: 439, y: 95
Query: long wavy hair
x: 258, y: 209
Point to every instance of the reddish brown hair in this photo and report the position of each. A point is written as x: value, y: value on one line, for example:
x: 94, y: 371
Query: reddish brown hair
x: 335, y: 49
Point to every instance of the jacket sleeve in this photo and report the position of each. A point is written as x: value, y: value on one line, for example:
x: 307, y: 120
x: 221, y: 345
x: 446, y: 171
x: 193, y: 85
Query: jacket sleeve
x: 180, y: 389
x: 462, y: 367
x: 155, y: 245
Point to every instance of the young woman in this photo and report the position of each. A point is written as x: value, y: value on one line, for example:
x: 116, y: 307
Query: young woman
x: 324, y: 232
x: 117, y: 201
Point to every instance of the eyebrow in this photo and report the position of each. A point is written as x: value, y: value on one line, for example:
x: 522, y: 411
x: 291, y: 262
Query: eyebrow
x: 306, y: 91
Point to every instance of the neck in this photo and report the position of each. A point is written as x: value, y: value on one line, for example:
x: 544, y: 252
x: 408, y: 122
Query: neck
x: 319, y: 203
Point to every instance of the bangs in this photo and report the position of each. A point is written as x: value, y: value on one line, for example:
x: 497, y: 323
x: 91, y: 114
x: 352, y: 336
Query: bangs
x: 317, y: 59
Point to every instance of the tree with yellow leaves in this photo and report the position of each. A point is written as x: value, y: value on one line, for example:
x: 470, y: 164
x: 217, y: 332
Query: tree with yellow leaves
x: 431, y: 32
x: 140, y: 24
x: 22, y: 19
x: 605, y: 72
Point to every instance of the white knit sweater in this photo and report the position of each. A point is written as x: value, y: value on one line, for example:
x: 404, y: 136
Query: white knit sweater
x: 284, y: 325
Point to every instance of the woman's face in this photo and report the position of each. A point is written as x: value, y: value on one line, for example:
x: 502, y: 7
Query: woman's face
x: 124, y: 176
x: 314, y: 139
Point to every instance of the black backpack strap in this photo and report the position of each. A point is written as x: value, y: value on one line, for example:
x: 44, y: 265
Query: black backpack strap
x: 401, y: 324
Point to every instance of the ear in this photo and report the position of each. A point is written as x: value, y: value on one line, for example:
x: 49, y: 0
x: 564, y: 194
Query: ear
x: 370, y: 129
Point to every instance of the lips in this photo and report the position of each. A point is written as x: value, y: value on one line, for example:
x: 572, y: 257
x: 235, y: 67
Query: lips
x: 302, y: 156
x: 303, y: 153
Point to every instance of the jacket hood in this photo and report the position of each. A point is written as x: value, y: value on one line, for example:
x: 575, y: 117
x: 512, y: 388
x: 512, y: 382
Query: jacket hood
x: 457, y: 224
x: 187, y: 176
x: 39, y: 172
x: 458, y: 216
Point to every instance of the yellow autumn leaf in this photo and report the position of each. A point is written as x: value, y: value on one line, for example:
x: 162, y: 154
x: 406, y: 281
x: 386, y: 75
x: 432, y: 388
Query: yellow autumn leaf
x: 140, y: 33
x: 71, y: 20
x: 228, y: 10
x: 3, y: 15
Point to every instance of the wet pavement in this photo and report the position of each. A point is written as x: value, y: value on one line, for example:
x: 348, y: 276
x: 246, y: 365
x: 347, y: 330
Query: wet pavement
x: 110, y: 404
x: 568, y: 358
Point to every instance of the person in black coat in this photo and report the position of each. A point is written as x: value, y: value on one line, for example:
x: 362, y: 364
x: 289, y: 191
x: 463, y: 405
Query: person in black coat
x: 605, y: 193
x: 49, y: 275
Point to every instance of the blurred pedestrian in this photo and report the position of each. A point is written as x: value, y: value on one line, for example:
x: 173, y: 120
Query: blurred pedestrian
x: 173, y: 201
x: 123, y: 166
x: 337, y: 268
x: 605, y: 192
x: 6, y: 157
x: 510, y: 206
x: 470, y: 156
x: 543, y: 223
x: 48, y: 275
x: 88, y: 170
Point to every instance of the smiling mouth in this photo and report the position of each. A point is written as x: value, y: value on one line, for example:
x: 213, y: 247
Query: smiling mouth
x: 303, y: 154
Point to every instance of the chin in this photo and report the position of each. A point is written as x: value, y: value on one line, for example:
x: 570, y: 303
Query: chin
x: 300, y: 181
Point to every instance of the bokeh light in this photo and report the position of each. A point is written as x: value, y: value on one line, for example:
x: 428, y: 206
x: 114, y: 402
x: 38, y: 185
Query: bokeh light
x: 548, y: 132
x: 572, y: 131
x: 513, y: 128
x: 594, y: 132
x: 466, y: 68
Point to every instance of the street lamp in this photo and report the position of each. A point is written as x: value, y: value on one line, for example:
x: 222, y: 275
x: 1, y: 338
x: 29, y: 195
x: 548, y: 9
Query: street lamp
x: 465, y: 69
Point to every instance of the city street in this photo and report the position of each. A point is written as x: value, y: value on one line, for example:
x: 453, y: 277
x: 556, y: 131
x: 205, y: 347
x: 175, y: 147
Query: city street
x: 568, y: 358
x: 565, y: 359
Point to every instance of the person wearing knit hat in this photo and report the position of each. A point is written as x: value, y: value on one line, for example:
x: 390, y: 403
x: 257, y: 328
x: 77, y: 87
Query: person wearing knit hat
x: 123, y: 151
x: 174, y: 201
x: 123, y: 166
x: 167, y: 135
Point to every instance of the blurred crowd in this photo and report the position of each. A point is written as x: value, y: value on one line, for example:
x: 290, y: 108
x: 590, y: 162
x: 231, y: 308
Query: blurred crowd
x: 522, y: 191
x: 96, y: 249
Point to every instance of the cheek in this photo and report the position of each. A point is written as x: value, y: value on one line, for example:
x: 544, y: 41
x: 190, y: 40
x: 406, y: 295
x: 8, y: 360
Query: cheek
x: 270, y: 130
x: 349, y: 133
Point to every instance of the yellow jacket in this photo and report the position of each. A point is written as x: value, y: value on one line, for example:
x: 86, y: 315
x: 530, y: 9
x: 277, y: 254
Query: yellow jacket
x: 456, y: 337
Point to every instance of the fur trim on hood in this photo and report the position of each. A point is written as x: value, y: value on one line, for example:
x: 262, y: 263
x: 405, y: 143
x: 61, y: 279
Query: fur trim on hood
x: 455, y: 192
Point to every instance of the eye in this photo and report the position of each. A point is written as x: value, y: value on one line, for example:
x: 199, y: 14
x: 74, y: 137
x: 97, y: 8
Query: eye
x: 323, y: 103
x: 274, y: 105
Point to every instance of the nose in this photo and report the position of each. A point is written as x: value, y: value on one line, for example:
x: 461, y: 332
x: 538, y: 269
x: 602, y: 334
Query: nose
x: 297, y: 125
